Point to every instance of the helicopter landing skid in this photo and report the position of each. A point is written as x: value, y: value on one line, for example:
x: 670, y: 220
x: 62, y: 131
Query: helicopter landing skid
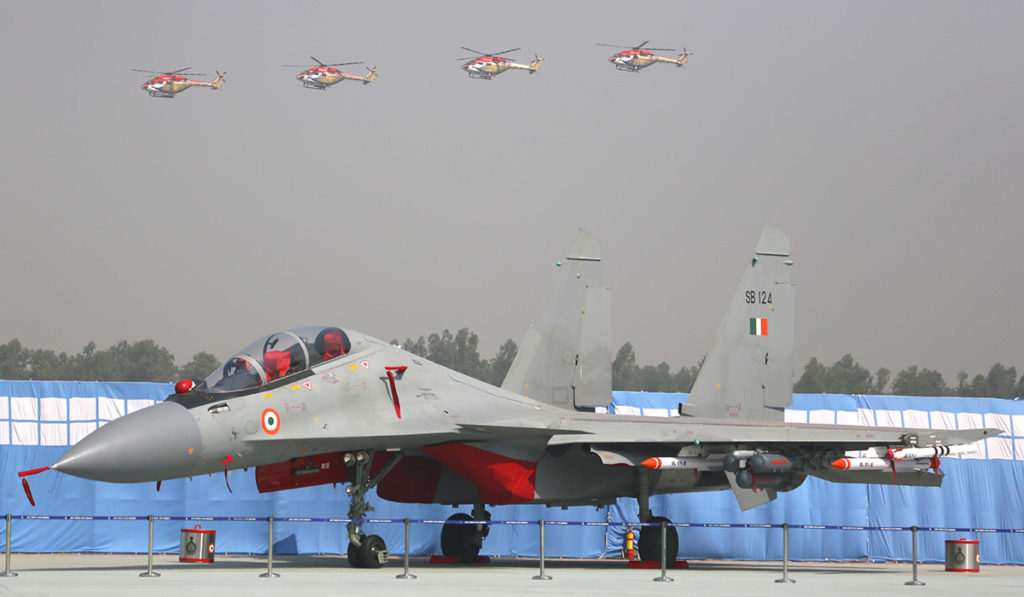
x: 480, y: 76
x: 632, y: 69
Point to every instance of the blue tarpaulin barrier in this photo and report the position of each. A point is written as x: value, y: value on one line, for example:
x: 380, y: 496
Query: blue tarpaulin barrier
x: 980, y: 495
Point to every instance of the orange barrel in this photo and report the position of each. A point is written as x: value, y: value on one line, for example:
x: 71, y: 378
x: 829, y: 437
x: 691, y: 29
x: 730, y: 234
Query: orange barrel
x: 962, y: 556
x: 197, y: 545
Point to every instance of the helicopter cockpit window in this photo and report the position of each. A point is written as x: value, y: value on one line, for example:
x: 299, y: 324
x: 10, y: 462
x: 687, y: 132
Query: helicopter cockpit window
x: 278, y: 355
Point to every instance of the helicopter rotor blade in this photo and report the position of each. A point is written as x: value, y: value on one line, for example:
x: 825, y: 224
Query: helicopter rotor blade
x: 180, y: 70
x: 641, y: 45
x: 344, y: 63
x: 505, y: 52
x: 317, y: 60
x: 661, y: 49
x: 617, y: 46
x: 474, y: 51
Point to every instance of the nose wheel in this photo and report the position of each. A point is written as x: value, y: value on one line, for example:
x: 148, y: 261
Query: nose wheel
x: 364, y: 551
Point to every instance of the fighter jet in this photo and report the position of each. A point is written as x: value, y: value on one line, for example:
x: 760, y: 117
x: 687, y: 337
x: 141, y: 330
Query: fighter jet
x: 315, y: 405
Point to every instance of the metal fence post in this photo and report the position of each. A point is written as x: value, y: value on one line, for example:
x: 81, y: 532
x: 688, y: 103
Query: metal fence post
x: 270, y: 550
x: 664, y: 548
x: 7, y: 551
x: 915, y: 582
x: 785, y: 555
x: 149, y: 558
x: 541, y: 576
x: 406, y: 558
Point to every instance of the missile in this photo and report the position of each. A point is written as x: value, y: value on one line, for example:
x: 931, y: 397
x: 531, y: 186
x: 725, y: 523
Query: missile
x: 929, y: 452
x: 711, y: 463
x: 880, y: 464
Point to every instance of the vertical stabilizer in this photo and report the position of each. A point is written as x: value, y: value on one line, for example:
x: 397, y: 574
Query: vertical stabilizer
x: 565, y: 359
x: 749, y: 372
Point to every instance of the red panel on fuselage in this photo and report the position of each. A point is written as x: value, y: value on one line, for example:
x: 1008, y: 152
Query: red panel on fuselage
x: 498, y: 479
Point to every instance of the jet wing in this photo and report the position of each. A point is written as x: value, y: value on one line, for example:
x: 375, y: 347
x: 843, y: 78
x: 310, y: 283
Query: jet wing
x: 619, y: 429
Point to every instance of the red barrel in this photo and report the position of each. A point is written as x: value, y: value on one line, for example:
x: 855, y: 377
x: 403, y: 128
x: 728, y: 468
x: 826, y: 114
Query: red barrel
x: 962, y: 556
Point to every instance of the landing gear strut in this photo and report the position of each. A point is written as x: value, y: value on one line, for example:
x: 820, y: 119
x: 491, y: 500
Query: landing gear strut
x: 464, y: 541
x: 650, y: 537
x: 364, y: 551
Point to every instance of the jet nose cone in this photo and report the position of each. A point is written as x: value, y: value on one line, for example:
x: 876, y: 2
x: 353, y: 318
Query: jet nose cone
x: 158, y: 442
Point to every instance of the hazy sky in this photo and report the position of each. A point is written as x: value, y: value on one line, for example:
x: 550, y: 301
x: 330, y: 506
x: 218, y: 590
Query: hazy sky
x: 885, y: 138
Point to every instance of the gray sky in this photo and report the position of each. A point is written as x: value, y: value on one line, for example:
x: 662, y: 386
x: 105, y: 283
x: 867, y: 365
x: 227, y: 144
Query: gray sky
x: 885, y: 138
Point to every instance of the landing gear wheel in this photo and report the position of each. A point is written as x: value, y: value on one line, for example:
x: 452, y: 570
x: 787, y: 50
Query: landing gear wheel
x: 373, y: 553
x: 355, y: 556
x: 650, y: 542
x: 459, y: 540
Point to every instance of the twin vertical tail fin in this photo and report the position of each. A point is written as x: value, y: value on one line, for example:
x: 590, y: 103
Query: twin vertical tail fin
x: 566, y: 358
x: 749, y: 372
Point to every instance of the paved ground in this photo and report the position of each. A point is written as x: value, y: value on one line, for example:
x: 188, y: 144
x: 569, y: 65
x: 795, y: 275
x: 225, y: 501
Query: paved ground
x: 106, y: 575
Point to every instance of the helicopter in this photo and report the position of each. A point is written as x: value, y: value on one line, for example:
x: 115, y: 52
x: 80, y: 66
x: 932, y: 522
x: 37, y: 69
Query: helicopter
x: 487, y: 66
x: 637, y: 57
x: 171, y: 83
x: 321, y: 75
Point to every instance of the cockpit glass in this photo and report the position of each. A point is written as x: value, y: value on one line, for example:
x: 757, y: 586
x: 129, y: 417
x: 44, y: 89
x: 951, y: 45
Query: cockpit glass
x: 277, y: 355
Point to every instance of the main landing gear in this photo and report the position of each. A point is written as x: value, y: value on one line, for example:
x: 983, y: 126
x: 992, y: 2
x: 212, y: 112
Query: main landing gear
x: 650, y: 536
x: 364, y: 551
x: 465, y: 540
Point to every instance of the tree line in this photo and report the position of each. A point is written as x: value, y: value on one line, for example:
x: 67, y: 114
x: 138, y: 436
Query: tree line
x: 145, y: 360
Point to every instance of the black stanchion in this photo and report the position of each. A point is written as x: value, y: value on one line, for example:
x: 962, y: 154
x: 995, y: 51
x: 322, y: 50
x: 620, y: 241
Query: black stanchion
x: 149, y: 558
x: 7, y: 550
x: 405, y: 558
x: 664, y: 563
x: 914, y: 582
x: 541, y: 576
x: 270, y: 550
x: 785, y: 556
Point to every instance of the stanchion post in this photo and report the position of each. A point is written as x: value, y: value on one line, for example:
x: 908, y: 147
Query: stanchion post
x: 664, y: 557
x: 7, y: 550
x: 149, y: 557
x: 270, y: 550
x: 785, y: 556
x: 915, y: 582
x: 405, y: 559
x: 541, y: 576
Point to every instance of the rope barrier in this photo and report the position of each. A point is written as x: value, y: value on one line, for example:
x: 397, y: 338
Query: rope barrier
x: 693, y: 525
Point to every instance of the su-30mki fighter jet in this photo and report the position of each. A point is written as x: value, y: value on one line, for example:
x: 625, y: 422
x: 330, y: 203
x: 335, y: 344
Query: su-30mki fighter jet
x: 325, y: 404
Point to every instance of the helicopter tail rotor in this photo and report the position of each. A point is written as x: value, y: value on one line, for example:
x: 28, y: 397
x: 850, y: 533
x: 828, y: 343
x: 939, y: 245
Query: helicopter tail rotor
x: 682, y: 58
x: 220, y: 79
x: 535, y: 64
x: 371, y: 75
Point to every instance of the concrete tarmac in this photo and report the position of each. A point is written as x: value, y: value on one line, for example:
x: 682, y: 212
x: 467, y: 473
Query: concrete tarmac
x: 106, y: 575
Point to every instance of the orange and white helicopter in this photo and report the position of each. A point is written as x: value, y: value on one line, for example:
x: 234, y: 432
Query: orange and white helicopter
x: 487, y: 66
x: 169, y: 84
x: 321, y: 76
x: 637, y: 57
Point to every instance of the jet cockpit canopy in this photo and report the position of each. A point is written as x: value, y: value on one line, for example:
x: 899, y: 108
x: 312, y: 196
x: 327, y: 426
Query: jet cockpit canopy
x: 278, y: 355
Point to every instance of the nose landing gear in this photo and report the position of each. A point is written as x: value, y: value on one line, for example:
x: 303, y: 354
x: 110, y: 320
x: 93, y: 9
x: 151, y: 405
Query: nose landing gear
x: 364, y: 551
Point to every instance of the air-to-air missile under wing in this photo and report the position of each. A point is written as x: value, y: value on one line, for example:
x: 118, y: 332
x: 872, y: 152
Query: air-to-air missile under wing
x: 321, y: 405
